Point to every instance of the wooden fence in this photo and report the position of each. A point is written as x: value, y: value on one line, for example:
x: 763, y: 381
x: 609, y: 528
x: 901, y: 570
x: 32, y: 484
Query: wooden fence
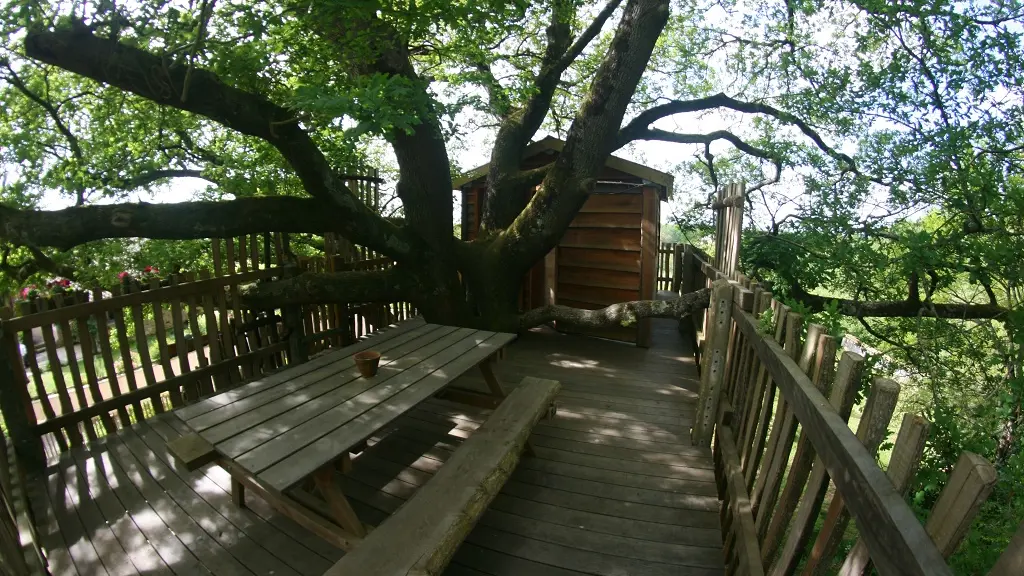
x: 20, y: 552
x: 109, y: 358
x: 764, y: 378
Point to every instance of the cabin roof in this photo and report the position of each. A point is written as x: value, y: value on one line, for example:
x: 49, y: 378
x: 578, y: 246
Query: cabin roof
x: 659, y: 179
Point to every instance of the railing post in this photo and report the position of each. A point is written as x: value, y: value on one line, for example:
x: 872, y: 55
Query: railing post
x: 713, y: 363
x: 15, y: 402
x: 1012, y: 560
x: 294, y: 326
x: 677, y: 267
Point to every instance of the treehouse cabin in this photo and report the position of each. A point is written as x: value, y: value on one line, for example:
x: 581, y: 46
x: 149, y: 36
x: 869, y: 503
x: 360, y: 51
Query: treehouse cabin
x: 608, y: 255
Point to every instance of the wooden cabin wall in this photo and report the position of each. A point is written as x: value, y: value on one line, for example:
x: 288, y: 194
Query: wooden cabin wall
x: 599, y: 259
x: 608, y: 255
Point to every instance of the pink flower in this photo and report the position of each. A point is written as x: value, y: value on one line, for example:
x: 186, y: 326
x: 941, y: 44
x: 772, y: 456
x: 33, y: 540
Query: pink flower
x: 123, y: 275
x: 27, y: 289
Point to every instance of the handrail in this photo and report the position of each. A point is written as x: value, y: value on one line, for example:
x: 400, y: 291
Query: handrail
x: 22, y: 323
x: 897, y: 541
x: 740, y: 376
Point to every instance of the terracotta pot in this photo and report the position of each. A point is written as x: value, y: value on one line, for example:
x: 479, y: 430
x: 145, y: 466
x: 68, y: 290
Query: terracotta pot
x: 367, y: 361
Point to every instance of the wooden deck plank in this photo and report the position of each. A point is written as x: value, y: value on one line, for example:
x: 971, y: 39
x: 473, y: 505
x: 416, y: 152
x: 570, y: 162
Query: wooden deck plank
x: 500, y: 564
x: 79, y: 546
x: 203, y: 545
x: 50, y: 537
x: 108, y: 520
x: 244, y: 549
x: 614, y: 488
x: 291, y: 553
x: 399, y: 449
x: 95, y: 528
x: 99, y: 466
x: 257, y: 506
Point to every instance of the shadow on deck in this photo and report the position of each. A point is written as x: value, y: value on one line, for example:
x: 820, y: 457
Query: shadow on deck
x: 614, y: 487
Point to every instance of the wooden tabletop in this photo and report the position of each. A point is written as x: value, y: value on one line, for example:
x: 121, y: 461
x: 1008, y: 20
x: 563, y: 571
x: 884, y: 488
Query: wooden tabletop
x: 285, y: 426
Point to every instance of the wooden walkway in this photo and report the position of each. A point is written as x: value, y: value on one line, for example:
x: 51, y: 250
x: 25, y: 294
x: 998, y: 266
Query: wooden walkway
x: 614, y: 487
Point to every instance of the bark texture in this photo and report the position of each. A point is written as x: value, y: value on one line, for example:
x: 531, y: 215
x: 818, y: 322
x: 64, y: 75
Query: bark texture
x: 67, y: 228
x: 909, y: 308
x: 622, y: 314
x: 391, y: 285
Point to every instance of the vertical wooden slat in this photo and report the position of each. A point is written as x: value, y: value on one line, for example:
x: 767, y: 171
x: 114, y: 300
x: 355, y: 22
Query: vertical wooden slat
x: 242, y: 338
x: 142, y: 345
x: 713, y: 368
x: 161, y: 338
x: 205, y: 384
x: 218, y: 263
x: 126, y: 358
x: 15, y: 400
x: 903, y: 461
x: 967, y: 489
x: 254, y: 251
x: 89, y: 352
x: 190, y: 390
x: 107, y: 351
x: 212, y: 336
x: 228, y: 351
x: 851, y: 367
x: 1011, y: 562
x: 243, y: 253
x: 874, y: 423
x: 57, y: 373
x: 72, y: 361
x: 803, y: 458
x: 37, y: 377
x: 766, y: 492
x: 788, y: 325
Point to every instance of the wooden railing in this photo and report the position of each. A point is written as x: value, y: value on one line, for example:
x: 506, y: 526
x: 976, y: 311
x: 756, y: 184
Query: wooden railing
x: 109, y: 358
x: 761, y: 383
x: 20, y: 553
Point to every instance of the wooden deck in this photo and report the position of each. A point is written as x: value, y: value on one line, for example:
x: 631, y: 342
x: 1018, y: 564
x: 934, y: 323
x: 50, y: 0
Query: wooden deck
x: 614, y: 487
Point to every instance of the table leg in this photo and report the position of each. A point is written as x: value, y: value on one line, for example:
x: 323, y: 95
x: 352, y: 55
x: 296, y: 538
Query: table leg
x: 345, y: 464
x: 237, y: 493
x: 339, y: 506
x: 494, y: 384
x: 491, y: 378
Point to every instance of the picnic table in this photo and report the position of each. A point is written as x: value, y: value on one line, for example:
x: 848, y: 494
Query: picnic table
x: 300, y: 424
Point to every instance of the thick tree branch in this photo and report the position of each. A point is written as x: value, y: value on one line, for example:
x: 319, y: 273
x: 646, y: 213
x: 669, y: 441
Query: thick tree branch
x: 152, y: 176
x: 39, y: 262
x: 591, y: 138
x: 622, y: 314
x: 80, y: 51
x: 505, y: 196
x: 585, y: 38
x: 707, y: 139
x: 390, y: 285
x: 424, y: 176
x: 900, y: 308
x: 639, y: 125
x: 70, y: 227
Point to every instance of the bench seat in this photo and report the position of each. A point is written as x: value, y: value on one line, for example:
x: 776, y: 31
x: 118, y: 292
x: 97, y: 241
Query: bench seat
x: 423, y: 535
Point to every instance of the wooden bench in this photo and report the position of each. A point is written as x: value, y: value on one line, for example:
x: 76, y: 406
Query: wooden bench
x: 421, y: 538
